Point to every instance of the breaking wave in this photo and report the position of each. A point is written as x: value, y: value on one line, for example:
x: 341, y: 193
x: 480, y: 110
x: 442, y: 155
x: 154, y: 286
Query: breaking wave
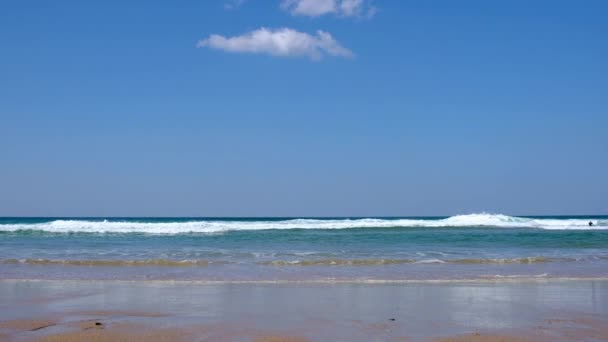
x: 218, y: 226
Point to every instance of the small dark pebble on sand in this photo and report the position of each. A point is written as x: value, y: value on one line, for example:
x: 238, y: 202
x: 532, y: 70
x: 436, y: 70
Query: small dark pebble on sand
x: 98, y: 323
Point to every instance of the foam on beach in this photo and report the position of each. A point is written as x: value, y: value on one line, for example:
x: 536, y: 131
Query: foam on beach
x: 312, y: 262
x: 385, y: 262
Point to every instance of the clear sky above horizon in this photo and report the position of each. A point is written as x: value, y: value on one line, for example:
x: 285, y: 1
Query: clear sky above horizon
x: 303, y: 107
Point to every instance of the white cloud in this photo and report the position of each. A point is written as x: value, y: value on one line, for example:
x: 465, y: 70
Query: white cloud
x: 316, y: 8
x: 233, y: 4
x: 284, y: 42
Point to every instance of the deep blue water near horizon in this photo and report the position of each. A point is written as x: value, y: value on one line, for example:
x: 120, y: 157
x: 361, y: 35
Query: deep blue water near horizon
x: 233, y: 249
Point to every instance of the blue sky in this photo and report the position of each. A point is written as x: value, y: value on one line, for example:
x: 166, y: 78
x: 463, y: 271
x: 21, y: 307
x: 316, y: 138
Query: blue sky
x: 217, y: 108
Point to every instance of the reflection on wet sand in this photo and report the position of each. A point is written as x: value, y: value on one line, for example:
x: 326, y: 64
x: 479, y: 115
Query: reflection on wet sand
x: 174, y: 311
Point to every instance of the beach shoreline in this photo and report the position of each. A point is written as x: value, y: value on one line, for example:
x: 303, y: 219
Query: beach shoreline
x: 66, y: 310
x: 542, y: 279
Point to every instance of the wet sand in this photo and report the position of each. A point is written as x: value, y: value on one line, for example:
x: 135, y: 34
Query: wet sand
x: 548, y: 310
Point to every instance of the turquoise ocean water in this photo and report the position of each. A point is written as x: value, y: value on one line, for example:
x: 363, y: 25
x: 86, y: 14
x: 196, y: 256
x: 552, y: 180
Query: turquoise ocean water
x: 477, y: 246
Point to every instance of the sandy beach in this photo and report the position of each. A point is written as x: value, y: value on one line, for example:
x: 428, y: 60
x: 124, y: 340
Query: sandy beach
x: 528, y: 310
x: 303, y: 171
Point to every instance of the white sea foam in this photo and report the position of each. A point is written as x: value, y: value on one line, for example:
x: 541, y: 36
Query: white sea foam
x: 218, y: 226
x: 430, y: 261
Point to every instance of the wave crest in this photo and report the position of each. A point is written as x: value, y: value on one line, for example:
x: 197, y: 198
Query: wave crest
x: 218, y: 226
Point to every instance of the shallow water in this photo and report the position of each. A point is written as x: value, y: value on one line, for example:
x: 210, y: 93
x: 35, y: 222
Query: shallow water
x: 460, y: 247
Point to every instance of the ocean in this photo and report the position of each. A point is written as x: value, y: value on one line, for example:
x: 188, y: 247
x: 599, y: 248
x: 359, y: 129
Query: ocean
x: 465, y: 247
